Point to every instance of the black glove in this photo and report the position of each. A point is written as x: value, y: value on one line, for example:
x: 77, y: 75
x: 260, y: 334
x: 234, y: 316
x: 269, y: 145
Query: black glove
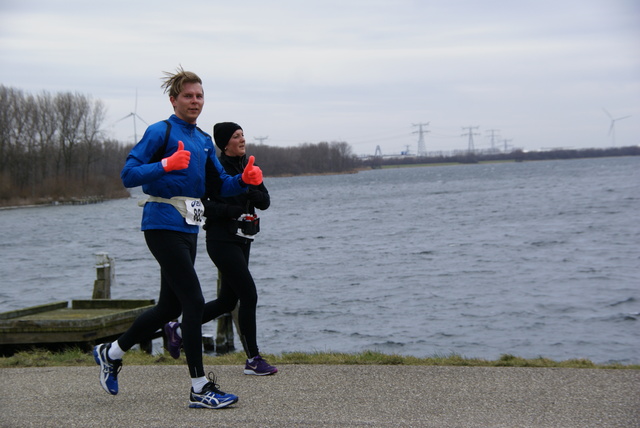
x: 234, y: 211
x: 209, y: 207
x: 255, y: 195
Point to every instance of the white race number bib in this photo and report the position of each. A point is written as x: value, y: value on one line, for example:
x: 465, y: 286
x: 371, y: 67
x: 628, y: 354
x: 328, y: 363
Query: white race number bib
x: 195, y: 212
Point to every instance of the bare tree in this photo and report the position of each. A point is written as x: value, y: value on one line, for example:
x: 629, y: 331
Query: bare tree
x: 90, y: 134
x: 46, y: 122
x: 71, y: 111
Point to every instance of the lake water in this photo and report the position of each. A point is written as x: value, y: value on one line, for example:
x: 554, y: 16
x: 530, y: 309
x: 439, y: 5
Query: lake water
x: 530, y: 259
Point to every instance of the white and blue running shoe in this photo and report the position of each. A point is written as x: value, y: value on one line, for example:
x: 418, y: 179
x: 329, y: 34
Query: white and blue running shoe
x: 211, y: 397
x: 109, y: 368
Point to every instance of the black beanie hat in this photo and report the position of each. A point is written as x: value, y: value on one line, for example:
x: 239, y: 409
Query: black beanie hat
x: 222, y: 133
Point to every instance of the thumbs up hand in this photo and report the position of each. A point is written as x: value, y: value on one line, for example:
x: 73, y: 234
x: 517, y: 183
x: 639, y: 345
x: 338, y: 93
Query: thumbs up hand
x: 252, y: 174
x: 178, y: 160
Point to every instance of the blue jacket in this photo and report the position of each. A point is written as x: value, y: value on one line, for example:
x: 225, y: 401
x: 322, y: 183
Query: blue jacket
x: 188, y: 182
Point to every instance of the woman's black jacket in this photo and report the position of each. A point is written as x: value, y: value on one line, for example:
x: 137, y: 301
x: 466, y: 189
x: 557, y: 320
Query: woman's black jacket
x: 221, y: 213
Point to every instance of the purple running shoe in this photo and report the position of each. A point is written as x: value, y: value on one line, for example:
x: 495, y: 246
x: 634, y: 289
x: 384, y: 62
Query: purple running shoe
x: 174, y: 341
x: 259, y: 367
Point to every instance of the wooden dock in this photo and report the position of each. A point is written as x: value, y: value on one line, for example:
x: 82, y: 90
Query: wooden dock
x: 58, y: 325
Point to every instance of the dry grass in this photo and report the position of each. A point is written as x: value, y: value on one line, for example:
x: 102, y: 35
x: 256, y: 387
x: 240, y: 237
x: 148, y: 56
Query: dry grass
x: 77, y: 357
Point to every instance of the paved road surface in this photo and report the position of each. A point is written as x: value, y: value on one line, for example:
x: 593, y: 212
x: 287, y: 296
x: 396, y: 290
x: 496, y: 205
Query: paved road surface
x: 327, y: 396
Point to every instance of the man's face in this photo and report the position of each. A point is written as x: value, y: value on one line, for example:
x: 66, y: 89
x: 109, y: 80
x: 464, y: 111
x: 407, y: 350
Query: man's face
x: 188, y: 104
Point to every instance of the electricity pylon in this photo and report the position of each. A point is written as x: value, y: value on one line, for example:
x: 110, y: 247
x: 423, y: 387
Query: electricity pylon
x: 493, y: 137
x: 260, y: 139
x: 470, y: 133
x: 422, y: 151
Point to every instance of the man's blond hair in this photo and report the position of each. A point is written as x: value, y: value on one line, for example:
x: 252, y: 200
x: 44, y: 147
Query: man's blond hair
x: 174, y: 82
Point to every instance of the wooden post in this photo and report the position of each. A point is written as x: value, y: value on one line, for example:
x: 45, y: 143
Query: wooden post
x: 208, y: 343
x: 105, y: 273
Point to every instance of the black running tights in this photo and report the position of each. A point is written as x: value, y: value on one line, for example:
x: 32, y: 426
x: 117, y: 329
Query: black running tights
x: 232, y: 260
x: 180, y: 292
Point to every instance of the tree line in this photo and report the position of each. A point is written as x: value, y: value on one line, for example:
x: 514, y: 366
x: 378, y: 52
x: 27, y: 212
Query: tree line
x: 320, y: 158
x: 517, y: 155
x: 52, y: 148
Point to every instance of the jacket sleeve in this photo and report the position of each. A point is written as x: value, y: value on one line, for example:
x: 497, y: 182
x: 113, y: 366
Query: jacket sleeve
x: 214, y: 205
x: 221, y: 182
x: 137, y: 169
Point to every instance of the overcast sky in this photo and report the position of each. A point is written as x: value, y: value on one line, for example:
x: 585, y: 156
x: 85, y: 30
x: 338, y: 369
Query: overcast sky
x: 538, y: 73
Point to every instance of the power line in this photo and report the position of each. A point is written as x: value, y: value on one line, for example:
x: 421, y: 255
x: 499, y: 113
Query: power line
x: 385, y: 138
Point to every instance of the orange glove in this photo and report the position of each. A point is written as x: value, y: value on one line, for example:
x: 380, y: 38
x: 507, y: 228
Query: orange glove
x: 252, y: 174
x: 178, y: 160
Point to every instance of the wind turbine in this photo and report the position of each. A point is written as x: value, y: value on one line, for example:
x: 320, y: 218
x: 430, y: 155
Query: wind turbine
x: 612, y: 129
x: 135, y: 116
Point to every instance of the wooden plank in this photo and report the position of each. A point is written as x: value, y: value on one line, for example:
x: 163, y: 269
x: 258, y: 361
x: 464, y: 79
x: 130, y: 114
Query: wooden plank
x: 111, y: 304
x: 64, y: 336
x: 33, y: 310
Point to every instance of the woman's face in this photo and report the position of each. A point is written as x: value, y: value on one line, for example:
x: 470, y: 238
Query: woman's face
x: 236, y: 145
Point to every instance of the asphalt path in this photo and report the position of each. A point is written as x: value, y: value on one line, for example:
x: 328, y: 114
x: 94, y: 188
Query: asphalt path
x: 327, y: 396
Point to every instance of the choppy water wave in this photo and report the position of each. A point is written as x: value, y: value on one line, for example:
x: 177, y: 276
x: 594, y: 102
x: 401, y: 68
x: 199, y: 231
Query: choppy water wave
x: 531, y: 259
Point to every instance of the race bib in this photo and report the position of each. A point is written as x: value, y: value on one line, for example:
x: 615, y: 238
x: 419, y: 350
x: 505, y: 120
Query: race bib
x: 195, y: 212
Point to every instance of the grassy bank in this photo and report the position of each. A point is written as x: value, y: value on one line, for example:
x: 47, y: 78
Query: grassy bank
x: 76, y: 357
